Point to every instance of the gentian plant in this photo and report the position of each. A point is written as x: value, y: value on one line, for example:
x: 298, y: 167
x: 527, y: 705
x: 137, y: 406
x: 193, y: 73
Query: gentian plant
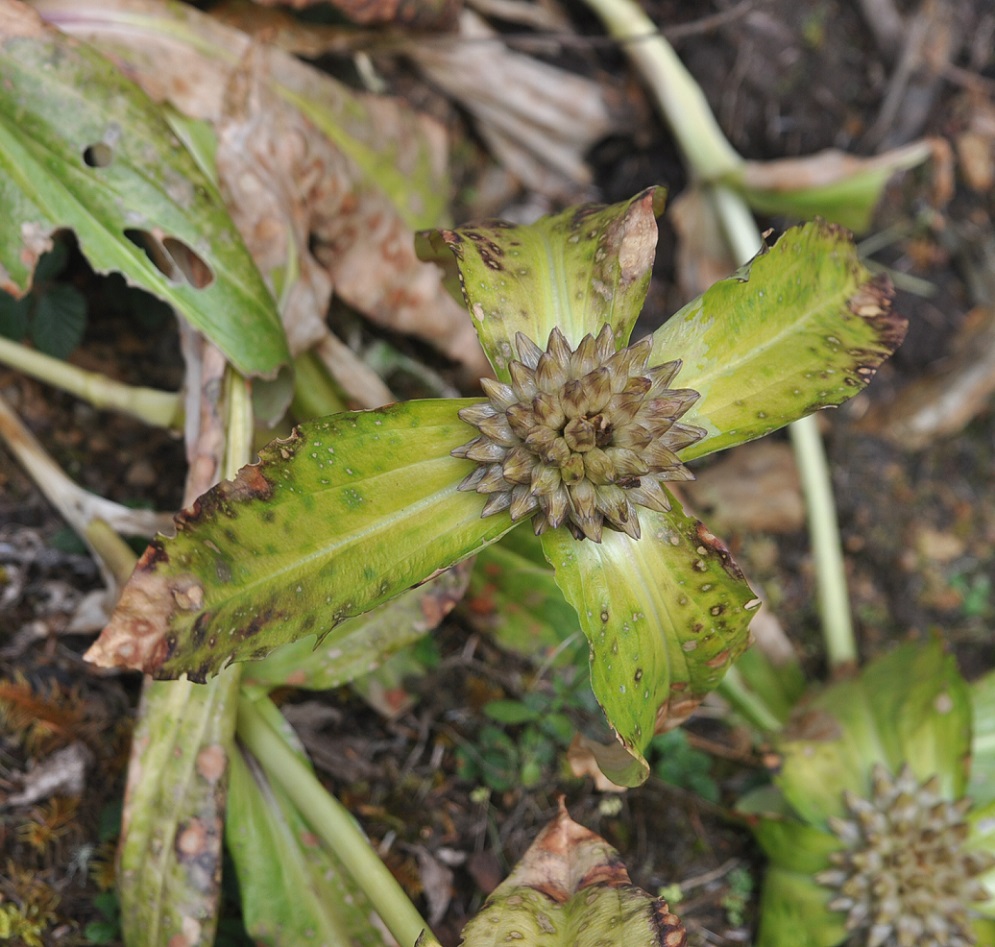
x: 322, y: 537
x: 353, y: 509
x: 876, y: 827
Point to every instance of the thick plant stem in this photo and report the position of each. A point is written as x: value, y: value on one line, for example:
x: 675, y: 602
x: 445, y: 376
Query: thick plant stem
x: 240, y: 424
x: 154, y: 407
x: 332, y: 823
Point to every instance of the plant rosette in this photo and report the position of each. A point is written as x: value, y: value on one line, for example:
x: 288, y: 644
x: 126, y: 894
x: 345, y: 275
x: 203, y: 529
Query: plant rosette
x: 583, y: 438
x: 874, y: 832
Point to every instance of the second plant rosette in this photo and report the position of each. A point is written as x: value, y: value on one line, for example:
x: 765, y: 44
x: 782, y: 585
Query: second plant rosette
x: 880, y: 821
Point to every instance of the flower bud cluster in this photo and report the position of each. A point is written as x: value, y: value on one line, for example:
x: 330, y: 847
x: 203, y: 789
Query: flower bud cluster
x: 579, y: 437
x: 905, y: 877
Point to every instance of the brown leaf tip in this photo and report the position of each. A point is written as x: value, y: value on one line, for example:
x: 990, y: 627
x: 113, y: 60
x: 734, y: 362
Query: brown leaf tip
x: 580, y: 436
x: 136, y: 636
x: 669, y: 928
x: 872, y: 302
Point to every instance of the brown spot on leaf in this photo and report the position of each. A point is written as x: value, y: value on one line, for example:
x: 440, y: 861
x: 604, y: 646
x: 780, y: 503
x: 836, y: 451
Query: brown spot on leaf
x: 211, y: 762
x: 638, y: 237
x: 720, y: 660
x: 191, y: 840
x: 188, y: 594
x: 718, y: 548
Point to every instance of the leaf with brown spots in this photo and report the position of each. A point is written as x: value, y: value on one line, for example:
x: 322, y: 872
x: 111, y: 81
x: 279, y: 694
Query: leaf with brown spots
x: 362, y: 644
x: 170, y: 855
x: 803, y: 326
x: 665, y: 616
x: 347, y: 513
x: 574, y: 271
x: 571, y: 890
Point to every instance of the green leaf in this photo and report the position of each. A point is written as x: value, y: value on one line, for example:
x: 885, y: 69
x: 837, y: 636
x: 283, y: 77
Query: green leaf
x: 910, y: 706
x: 842, y: 188
x: 58, y: 320
x: 575, y: 271
x: 293, y: 890
x: 804, y: 326
x: 345, y: 514
x: 788, y: 843
x: 170, y: 854
x: 513, y: 596
x: 665, y: 616
x: 794, y: 913
x: 510, y: 712
x: 13, y: 317
x: 778, y: 686
x: 982, y: 785
x: 82, y: 147
x: 102, y: 932
x: 360, y: 645
x: 571, y: 889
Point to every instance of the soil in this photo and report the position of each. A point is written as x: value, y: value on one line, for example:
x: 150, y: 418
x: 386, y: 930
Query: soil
x: 917, y: 520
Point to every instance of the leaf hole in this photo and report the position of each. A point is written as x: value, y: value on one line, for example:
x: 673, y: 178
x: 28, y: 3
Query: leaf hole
x: 173, y: 258
x: 98, y: 155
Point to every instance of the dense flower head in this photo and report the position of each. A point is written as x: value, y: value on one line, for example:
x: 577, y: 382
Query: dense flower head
x: 580, y: 436
x: 904, y: 877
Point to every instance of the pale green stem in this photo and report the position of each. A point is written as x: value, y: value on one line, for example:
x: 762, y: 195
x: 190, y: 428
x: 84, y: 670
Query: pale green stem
x: 332, y: 823
x: 710, y: 156
x: 684, y: 107
x: 117, y: 557
x: 737, y: 221
x: 154, y: 407
x: 239, y: 426
x: 827, y: 551
x: 747, y: 703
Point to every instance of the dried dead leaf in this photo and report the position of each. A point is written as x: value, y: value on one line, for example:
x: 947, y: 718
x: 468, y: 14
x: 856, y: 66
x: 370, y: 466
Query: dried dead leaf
x: 975, y: 147
x: 437, y: 884
x: 538, y: 120
x: 938, y: 545
x: 826, y: 168
x: 61, y: 774
x: 703, y: 253
x: 415, y: 14
x: 304, y: 163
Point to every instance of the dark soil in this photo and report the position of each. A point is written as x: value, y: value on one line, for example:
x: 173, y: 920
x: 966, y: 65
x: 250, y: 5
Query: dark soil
x: 918, y: 526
